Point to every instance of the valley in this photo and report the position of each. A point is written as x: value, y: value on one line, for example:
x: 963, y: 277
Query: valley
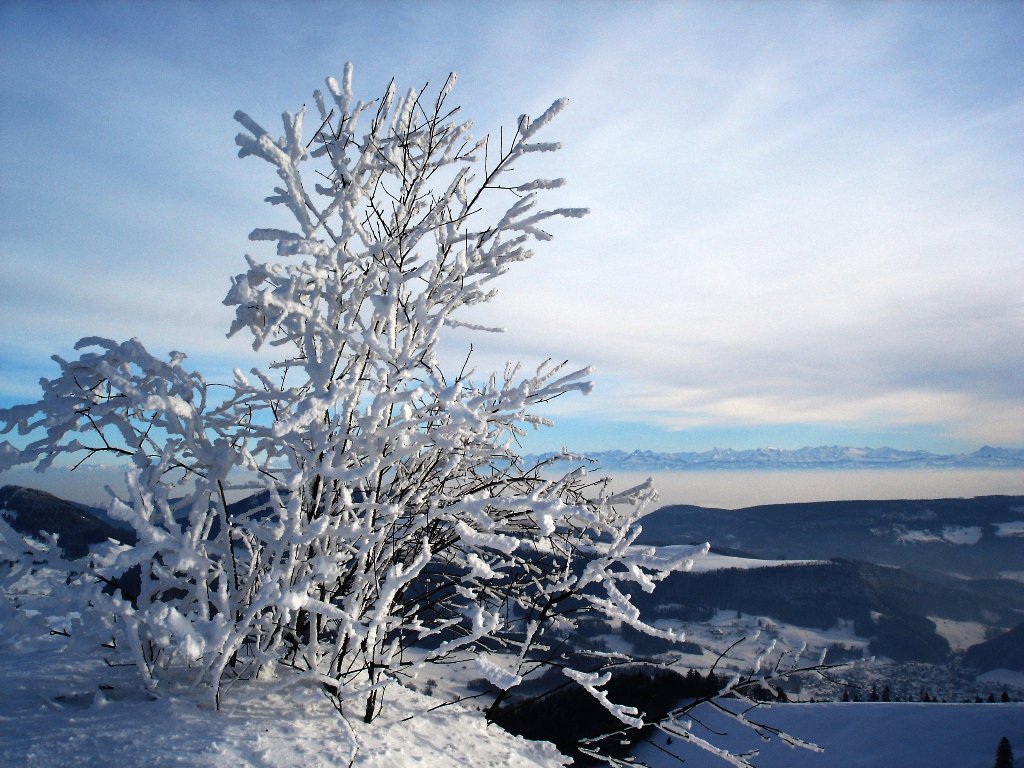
x: 888, y: 601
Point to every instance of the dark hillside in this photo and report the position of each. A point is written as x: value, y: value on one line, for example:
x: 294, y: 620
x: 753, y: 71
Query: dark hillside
x: 564, y: 713
x: 819, y: 595
x: 935, y: 538
x: 1003, y: 652
x: 33, y: 512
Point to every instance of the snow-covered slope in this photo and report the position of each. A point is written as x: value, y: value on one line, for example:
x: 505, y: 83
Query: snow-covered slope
x: 713, y: 561
x: 60, y: 707
x: 874, y: 735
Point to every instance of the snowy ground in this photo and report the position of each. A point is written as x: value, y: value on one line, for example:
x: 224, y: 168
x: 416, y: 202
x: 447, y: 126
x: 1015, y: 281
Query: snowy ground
x: 1006, y: 677
x: 60, y: 707
x: 960, y: 635
x: 746, y: 635
x: 872, y: 735
x: 713, y: 561
x: 54, y: 713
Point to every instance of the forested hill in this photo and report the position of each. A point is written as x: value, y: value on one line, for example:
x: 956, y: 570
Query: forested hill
x: 34, y: 512
x: 979, y: 538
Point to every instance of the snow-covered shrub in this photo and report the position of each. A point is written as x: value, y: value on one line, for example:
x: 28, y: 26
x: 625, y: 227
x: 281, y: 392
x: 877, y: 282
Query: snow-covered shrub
x: 396, y: 526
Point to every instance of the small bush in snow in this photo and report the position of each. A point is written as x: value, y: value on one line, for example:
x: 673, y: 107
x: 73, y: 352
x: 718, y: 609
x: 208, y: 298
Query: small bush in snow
x: 397, y: 524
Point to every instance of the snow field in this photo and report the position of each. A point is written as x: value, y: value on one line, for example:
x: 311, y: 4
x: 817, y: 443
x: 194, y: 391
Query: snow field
x: 1013, y: 528
x: 54, y: 713
x: 960, y: 635
x: 713, y: 561
x: 874, y: 735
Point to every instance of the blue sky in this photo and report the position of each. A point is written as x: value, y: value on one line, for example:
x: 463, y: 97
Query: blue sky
x: 807, y: 219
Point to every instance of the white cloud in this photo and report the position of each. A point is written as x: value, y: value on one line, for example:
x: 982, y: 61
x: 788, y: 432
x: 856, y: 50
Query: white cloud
x: 802, y: 213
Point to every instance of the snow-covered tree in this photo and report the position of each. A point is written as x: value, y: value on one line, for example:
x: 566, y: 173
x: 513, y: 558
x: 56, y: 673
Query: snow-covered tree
x: 396, y: 524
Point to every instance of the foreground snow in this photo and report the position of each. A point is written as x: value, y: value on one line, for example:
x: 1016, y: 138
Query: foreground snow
x: 53, y: 712
x: 60, y: 706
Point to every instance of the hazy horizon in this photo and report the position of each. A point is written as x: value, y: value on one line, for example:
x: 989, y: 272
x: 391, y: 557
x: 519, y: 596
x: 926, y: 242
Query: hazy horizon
x: 723, y: 488
x: 734, y: 489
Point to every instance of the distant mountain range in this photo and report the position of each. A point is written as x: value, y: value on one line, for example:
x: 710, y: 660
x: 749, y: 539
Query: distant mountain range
x: 822, y: 457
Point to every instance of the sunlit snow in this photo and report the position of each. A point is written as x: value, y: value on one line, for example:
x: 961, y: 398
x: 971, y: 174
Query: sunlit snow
x: 1014, y: 528
x: 64, y: 708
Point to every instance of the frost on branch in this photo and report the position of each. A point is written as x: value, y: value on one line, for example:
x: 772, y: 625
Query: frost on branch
x: 396, y: 525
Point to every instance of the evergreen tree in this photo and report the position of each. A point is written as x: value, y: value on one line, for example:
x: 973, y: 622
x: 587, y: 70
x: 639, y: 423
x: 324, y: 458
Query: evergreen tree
x: 712, y: 684
x: 1004, y: 754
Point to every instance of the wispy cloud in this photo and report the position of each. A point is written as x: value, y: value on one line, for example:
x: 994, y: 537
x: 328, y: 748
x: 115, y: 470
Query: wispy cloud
x: 805, y: 215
